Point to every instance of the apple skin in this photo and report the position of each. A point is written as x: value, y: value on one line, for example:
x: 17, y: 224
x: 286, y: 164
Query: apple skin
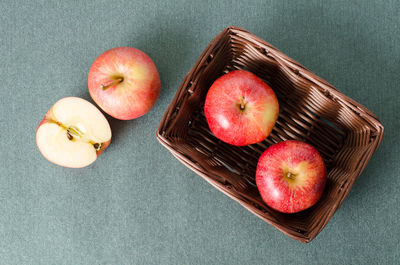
x: 240, y: 108
x: 304, y: 185
x: 49, y: 118
x: 132, y: 97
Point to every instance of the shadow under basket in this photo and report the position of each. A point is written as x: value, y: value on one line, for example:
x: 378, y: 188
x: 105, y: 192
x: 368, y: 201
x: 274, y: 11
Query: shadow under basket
x: 311, y: 110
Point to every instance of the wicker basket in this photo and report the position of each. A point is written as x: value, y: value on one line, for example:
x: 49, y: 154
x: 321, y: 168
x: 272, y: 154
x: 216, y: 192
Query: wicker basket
x: 311, y: 110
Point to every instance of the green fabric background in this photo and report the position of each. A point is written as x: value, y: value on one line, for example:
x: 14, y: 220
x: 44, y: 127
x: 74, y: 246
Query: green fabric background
x: 139, y: 205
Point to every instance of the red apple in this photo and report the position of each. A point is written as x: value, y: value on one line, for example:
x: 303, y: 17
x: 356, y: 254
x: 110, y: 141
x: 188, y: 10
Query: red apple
x: 240, y: 108
x: 291, y: 176
x: 73, y: 133
x: 124, y: 82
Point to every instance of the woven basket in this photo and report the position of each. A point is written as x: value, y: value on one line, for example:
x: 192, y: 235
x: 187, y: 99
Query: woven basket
x: 311, y: 110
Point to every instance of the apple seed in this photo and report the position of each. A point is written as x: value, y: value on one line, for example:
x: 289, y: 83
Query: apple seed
x: 97, y: 146
x: 69, y: 136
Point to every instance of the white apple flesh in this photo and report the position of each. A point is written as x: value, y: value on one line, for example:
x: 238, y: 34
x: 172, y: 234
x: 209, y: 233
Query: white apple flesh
x: 73, y: 133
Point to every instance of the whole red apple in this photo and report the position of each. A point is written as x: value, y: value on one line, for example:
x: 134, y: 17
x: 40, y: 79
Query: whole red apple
x: 291, y: 176
x: 124, y: 82
x: 240, y: 108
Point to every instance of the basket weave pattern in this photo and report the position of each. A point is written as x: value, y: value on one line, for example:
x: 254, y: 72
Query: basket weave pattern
x: 311, y: 110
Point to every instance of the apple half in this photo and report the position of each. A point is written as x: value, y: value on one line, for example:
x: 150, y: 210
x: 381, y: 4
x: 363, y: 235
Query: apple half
x: 73, y: 133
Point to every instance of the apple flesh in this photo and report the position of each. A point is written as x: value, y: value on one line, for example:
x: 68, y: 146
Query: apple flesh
x: 73, y: 133
x: 291, y: 176
x: 240, y: 108
x: 124, y: 82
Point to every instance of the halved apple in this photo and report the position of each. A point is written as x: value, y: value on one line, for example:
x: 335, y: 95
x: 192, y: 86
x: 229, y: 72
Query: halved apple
x: 73, y: 133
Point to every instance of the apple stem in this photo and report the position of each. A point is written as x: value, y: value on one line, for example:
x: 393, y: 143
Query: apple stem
x: 290, y: 175
x: 242, y: 105
x: 111, y: 83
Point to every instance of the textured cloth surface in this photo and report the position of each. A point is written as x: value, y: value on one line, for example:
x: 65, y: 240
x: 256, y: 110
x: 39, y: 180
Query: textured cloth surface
x: 139, y: 205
